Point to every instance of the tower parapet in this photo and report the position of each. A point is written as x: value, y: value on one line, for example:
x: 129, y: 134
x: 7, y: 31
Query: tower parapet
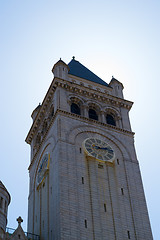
x: 117, y: 87
x: 60, y: 70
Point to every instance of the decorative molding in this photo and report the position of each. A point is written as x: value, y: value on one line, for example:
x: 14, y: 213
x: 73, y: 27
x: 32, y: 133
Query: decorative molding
x: 81, y: 90
x: 93, y: 94
x: 84, y: 119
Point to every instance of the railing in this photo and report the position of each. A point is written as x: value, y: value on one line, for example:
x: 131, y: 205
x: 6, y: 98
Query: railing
x: 30, y: 236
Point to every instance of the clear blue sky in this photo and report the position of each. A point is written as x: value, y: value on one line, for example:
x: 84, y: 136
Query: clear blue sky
x: 119, y: 38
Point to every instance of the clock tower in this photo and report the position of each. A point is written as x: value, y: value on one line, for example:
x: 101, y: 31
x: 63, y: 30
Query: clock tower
x: 85, y: 180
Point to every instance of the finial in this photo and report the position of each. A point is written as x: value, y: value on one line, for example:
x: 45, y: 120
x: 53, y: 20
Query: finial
x: 60, y: 58
x: 73, y: 57
x: 19, y: 220
x: 112, y: 76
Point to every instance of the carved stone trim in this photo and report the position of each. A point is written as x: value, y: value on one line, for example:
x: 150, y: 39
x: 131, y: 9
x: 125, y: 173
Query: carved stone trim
x: 94, y: 94
x: 75, y: 88
x: 59, y: 111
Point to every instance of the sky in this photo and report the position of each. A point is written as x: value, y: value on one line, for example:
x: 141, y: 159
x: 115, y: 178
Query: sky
x: 117, y: 38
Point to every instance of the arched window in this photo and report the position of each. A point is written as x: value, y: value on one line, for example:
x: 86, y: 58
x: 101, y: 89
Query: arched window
x: 110, y: 120
x: 75, y: 109
x: 93, y: 114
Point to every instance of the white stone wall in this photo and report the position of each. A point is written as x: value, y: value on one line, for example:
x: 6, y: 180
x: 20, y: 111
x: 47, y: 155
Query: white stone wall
x: 100, y: 186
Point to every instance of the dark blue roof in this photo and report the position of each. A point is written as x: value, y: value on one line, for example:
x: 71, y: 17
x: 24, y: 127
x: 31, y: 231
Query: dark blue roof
x: 77, y: 69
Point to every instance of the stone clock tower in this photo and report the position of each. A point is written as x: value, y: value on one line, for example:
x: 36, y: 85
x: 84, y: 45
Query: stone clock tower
x: 85, y: 181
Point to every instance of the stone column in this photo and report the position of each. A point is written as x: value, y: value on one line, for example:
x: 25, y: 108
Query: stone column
x: 119, y: 121
x: 103, y: 119
x: 85, y: 110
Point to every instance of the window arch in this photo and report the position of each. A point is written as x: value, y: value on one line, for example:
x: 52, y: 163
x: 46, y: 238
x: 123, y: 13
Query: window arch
x: 92, y: 114
x: 110, y: 120
x: 75, y: 109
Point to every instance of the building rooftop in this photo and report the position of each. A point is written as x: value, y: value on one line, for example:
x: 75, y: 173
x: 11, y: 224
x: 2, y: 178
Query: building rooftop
x: 77, y: 69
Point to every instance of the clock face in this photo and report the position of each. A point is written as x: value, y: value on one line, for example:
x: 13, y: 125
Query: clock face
x: 98, y: 149
x: 42, y: 169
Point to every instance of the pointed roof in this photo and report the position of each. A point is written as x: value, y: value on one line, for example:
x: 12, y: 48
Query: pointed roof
x: 59, y: 62
x: 115, y: 80
x: 18, y: 233
x: 77, y: 69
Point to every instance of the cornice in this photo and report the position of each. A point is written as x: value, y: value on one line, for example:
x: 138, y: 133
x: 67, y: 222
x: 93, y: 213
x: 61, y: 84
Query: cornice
x: 85, y: 119
x: 92, y: 93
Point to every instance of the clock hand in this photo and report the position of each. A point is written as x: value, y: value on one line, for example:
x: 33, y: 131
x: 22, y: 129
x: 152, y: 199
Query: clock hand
x: 103, y: 148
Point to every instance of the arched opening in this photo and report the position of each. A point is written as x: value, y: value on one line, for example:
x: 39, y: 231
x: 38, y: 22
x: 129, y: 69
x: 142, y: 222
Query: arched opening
x: 93, y: 114
x: 75, y: 109
x: 110, y: 120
